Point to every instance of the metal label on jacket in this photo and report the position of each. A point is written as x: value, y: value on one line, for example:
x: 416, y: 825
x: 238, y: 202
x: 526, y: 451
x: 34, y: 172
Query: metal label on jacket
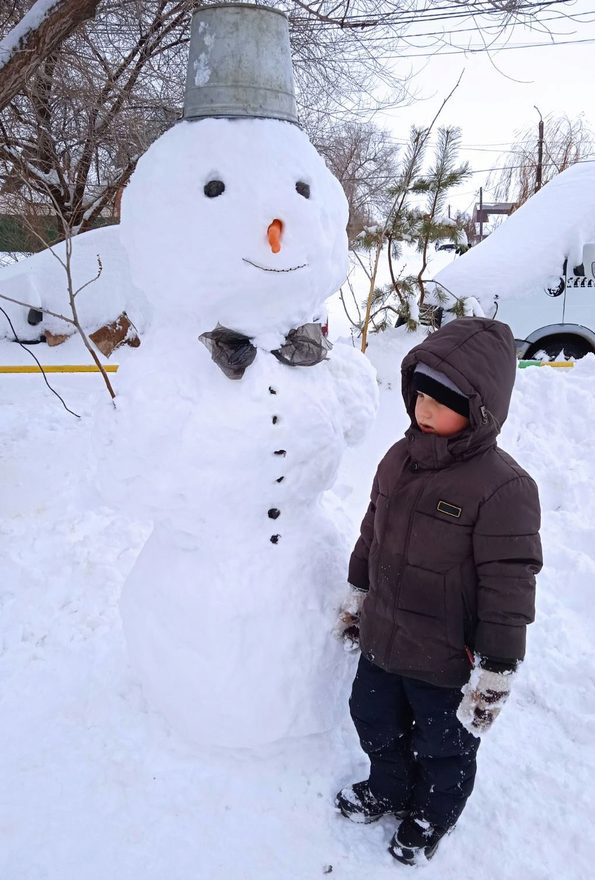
x: 449, y: 509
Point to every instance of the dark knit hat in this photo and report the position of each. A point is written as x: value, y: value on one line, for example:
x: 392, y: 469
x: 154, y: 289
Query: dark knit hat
x: 442, y: 389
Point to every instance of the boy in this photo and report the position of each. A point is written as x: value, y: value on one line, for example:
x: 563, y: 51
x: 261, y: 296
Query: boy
x: 444, y: 576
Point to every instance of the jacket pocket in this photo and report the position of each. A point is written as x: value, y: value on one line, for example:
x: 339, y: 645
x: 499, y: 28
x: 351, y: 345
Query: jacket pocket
x: 422, y: 592
x: 422, y: 641
x: 438, y: 544
x: 466, y: 584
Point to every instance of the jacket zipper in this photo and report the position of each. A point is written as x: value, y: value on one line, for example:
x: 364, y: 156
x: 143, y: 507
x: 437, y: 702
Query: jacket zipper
x: 400, y: 571
x: 467, y: 623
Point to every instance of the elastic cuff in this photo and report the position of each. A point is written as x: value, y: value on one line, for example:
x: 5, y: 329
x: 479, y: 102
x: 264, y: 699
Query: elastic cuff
x: 358, y: 589
x: 497, y: 664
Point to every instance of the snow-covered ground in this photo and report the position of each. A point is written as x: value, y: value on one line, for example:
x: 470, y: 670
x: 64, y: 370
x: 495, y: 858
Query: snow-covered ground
x: 94, y: 785
x: 7, y: 258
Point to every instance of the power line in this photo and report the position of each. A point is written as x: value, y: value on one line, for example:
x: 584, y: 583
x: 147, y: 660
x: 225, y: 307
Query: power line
x: 438, y: 12
x: 483, y: 49
x: 467, y: 147
x: 390, y: 20
x: 507, y: 146
x: 392, y: 178
x: 560, y: 17
x: 515, y: 167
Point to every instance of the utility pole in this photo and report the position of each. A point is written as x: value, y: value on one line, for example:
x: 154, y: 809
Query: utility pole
x: 481, y: 213
x: 539, y: 171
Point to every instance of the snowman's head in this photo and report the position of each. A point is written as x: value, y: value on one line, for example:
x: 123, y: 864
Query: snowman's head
x: 237, y: 222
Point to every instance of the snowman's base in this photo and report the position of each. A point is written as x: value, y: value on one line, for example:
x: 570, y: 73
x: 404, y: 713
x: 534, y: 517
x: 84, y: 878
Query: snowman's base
x: 229, y: 658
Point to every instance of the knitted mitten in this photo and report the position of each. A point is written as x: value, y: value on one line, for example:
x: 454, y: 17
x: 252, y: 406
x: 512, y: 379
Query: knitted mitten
x: 347, y: 626
x: 483, y: 697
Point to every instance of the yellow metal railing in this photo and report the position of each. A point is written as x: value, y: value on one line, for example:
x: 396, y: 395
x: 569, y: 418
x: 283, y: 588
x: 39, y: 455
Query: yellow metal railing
x: 523, y: 364
x: 59, y: 368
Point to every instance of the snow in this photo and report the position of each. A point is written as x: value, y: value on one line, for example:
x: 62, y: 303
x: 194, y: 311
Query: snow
x: 15, y: 38
x: 201, y: 66
x: 9, y: 257
x: 41, y: 281
x: 527, y: 251
x: 93, y: 778
x: 202, y: 71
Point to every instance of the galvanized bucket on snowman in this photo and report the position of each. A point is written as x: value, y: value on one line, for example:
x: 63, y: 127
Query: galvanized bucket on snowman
x: 240, y: 64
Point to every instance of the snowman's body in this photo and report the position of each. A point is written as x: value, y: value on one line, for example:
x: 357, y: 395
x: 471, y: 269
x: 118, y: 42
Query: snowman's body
x: 229, y: 609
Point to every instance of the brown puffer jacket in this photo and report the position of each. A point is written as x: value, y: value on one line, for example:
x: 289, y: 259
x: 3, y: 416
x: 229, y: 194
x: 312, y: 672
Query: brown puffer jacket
x: 449, y: 546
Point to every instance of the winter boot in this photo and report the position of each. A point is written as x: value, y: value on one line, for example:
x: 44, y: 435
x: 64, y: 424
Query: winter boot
x: 415, y: 841
x: 357, y: 803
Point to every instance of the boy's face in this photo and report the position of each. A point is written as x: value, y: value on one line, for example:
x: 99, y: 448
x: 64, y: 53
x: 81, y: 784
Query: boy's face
x: 436, y: 418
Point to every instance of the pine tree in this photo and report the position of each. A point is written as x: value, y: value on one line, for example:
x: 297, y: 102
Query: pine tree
x: 444, y: 175
x: 417, y: 217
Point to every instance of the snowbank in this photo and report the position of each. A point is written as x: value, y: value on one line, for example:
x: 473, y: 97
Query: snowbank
x: 41, y: 281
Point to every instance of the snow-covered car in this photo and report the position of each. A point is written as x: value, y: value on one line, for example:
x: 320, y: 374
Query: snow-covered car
x: 536, y: 271
x: 558, y: 321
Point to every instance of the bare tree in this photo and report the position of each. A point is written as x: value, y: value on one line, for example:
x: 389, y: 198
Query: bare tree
x: 565, y: 142
x: 356, y: 39
x: 94, y: 107
x: 116, y: 83
x: 47, y: 24
x: 363, y: 158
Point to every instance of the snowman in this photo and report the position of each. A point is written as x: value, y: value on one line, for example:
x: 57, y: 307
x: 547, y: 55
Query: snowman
x: 236, y: 410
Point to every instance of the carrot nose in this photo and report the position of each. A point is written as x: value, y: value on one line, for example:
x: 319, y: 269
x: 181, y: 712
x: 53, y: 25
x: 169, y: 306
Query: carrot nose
x: 274, y: 235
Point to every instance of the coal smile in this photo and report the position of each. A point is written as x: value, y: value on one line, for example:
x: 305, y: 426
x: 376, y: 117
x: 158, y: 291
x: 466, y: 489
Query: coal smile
x: 267, y: 269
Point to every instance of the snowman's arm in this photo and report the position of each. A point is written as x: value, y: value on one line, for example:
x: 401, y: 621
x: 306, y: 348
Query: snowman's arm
x: 356, y: 387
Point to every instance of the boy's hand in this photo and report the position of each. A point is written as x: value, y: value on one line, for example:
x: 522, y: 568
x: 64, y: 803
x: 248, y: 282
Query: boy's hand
x: 347, y: 626
x: 483, y: 697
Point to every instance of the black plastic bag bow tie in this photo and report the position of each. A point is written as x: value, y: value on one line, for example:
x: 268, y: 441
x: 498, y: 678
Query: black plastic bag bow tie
x: 233, y: 352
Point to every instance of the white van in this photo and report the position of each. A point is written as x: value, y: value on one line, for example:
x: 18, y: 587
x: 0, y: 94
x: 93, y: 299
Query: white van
x: 556, y: 321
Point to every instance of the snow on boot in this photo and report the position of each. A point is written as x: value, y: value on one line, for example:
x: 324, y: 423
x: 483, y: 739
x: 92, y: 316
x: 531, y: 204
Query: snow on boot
x: 415, y: 841
x: 358, y: 803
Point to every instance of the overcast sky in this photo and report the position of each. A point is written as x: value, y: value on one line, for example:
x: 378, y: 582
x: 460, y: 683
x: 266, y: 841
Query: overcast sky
x: 496, y: 96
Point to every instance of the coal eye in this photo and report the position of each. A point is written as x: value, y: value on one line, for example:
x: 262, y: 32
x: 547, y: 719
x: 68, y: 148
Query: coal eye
x: 303, y: 189
x: 214, y: 188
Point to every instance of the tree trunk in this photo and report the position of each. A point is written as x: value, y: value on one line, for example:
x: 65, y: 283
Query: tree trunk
x: 41, y: 40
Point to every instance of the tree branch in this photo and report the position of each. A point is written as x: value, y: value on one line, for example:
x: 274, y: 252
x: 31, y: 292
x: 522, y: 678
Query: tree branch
x: 33, y: 39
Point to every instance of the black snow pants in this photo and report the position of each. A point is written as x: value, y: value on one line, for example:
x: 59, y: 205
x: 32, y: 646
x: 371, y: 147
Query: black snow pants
x: 421, y: 758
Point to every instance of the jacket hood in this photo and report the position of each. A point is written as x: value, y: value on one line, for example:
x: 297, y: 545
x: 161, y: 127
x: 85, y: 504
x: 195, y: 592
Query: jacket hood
x: 479, y: 356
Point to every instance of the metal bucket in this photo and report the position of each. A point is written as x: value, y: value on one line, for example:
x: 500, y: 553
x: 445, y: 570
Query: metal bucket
x: 240, y: 64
